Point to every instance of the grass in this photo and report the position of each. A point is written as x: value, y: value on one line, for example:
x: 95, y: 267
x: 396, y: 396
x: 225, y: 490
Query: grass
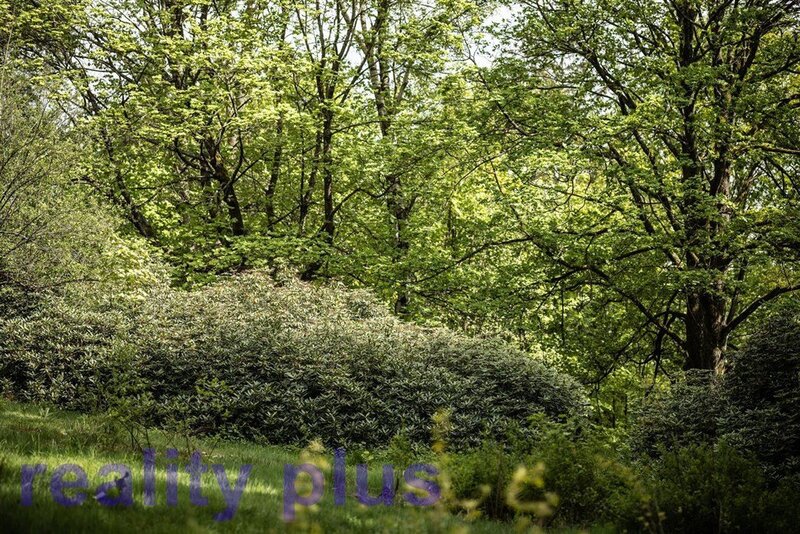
x: 36, y: 435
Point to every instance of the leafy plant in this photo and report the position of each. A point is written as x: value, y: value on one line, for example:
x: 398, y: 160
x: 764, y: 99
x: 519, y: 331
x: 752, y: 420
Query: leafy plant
x: 247, y: 358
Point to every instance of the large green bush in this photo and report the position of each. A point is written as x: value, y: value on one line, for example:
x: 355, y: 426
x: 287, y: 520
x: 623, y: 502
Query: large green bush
x: 686, y: 414
x: 702, y: 489
x: 754, y: 405
x: 695, y: 489
x: 763, y: 397
x: 281, y: 363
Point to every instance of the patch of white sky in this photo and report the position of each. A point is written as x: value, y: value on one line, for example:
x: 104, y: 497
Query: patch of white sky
x: 483, y: 49
x: 480, y: 46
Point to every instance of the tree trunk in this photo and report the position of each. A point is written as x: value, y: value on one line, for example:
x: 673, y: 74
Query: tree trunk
x: 397, y: 206
x: 307, y: 191
x: 706, y: 339
x: 326, y: 164
x: 399, y: 211
x: 234, y: 209
x: 275, y: 173
x: 214, y: 172
x: 135, y: 215
x: 329, y: 226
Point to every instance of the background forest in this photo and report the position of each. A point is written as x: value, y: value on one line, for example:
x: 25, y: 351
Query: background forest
x: 562, y: 234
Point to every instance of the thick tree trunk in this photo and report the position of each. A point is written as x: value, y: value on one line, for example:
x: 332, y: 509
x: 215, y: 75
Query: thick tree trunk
x: 706, y: 338
x: 706, y: 334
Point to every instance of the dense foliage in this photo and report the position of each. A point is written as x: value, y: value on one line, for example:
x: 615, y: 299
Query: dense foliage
x: 576, y: 475
x: 619, y: 166
x: 711, y: 454
x: 752, y: 407
x: 287, y: 363
x: 559, y: 234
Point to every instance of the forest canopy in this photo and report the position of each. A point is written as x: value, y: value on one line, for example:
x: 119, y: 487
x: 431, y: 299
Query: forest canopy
x: 613, y: 180
x: 556, y: 234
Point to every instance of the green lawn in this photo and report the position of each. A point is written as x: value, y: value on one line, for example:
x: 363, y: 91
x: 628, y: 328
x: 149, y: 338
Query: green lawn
x: 31, y: 435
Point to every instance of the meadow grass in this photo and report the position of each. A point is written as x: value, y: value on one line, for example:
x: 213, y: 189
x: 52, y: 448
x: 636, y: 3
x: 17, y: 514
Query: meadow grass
x: 32, y: 434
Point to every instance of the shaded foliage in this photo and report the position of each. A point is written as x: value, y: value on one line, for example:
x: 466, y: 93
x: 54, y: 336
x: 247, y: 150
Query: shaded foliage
x: 753, y: 406
x: 283, y: 364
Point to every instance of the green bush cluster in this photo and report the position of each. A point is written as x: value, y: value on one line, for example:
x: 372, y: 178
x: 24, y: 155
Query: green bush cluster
x: 715, y: 453
x: 279, y: 363
x: 762, y: 394
x: 583, y: 466
x: 700, y: 489
x: 754, y: 405
x: 684, y: 415
x: 599, y: 483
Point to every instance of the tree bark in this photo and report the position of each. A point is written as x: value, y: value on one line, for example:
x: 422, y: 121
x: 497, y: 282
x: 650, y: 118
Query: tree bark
x: 329, y: 226
x: 706, y: 339
x: 275, y: 173
x: 307, y: 190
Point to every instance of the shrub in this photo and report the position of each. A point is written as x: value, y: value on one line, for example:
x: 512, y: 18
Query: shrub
x: 686, y: 414
x: 247, y: 358
x: 693, y: 489
x: 479, y: 478
x: 592, y: 478
x: 701, y: 489
x: 763, y: 397
x: 14, y: 300
x: 575, y: 468
x: 754, y: 405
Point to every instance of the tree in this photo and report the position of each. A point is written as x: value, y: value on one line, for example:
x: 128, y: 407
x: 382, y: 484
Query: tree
x: 52, y: 237
x: 661, y: 140
x: 182, y: 100
x: 237, y: 134
x: 31, y: 159
x: 404, y: 44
